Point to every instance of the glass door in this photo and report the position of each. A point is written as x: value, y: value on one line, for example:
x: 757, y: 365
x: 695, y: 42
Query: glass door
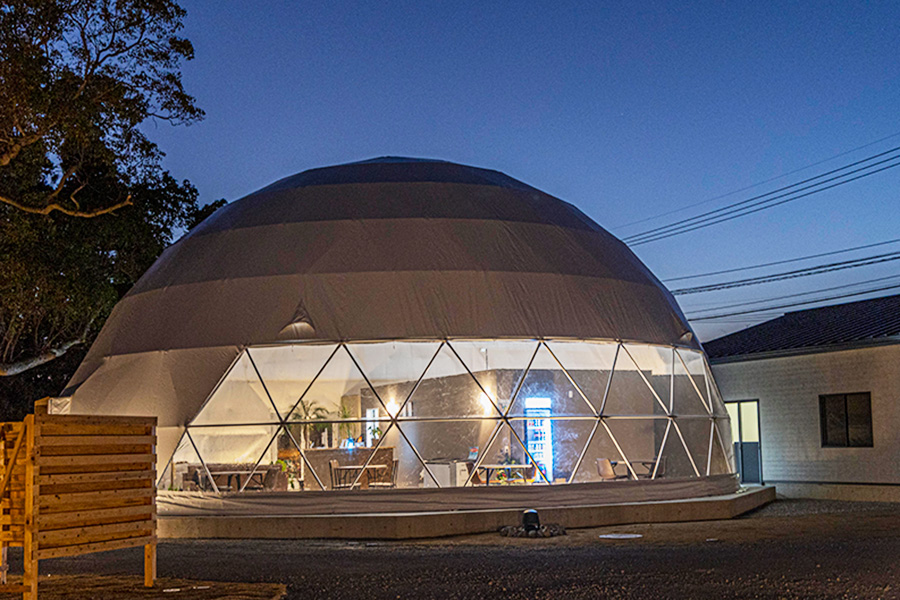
x: 744, y: 416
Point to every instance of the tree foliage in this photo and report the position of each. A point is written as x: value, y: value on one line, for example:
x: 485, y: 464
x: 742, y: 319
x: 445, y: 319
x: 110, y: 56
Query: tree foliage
x: 85, y: 207
x: 77, y: 78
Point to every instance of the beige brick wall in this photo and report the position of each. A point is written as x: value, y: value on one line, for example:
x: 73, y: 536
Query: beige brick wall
x: 788, y: 390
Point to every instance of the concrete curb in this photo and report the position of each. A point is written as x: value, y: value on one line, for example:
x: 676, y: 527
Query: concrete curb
x: 418, y: 525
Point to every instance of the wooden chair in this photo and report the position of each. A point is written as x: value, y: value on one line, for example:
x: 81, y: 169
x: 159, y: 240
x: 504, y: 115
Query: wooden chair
x: 341, y: 479
x: 385, y: 479
x: 606, y: 470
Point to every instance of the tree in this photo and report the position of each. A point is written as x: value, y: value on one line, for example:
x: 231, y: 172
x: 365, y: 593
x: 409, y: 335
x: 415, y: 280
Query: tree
x: 77, y: 78
x: 60, y: 277
x: 85, y: 208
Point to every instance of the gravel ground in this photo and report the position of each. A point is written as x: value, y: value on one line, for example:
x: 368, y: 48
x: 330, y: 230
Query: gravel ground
x: 789, y: 549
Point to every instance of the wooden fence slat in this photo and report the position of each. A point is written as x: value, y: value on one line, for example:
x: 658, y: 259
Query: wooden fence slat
x: 84, y: 518
x: 91, y: 498
x: 93, y: 533
x: 94, y: 459
x: 100, y: 486
x: 119, y: 467
x: 117, y: 450
x: 75, y: 420
x: 97, y: 440
x: 95, y: 547
x: 94, y: 477
x: 61, y: 430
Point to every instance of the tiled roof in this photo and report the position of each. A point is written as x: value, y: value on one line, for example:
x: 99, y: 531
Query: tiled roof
x: 863, y: 322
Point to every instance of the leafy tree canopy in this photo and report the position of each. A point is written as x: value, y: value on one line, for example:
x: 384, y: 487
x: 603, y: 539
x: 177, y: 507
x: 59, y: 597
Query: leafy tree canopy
x: 77, y: 78
x: 85, y: 208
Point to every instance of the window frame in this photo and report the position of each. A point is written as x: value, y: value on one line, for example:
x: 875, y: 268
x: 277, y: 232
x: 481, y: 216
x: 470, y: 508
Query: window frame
x: 823, y: 420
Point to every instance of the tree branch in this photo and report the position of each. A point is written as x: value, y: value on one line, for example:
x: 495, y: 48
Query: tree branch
x: 49, y: 208
x: 9, y: 369
x: 13, y: 152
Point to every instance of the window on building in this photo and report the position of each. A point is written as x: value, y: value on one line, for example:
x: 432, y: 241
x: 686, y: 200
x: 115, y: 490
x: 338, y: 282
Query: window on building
x: 846, y: 420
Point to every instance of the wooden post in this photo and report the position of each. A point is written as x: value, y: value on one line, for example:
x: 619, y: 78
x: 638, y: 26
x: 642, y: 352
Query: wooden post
x: 8, y: 466
x: 150, y: 549
x: 32, y: 494
x: 4, y: 563
x: 150, y: 564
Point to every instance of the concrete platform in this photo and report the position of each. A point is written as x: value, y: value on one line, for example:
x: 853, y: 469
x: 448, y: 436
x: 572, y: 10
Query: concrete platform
x: 431, y: 524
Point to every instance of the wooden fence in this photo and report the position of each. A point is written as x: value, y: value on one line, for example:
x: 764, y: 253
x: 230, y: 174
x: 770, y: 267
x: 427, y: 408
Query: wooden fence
x: 73, y: 484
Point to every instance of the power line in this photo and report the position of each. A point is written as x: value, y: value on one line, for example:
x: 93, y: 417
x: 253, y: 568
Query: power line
x: 755, y: 185
x: 816, y: 270
x: 793, y: 304
x: 782, y: 262
x: 732, y: 211
x: 756, y: 210
x: 819, y: 291
x: 781, y: 189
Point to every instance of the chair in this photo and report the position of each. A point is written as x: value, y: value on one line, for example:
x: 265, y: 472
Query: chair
x: 606, y: 470
x: 341, y: 479
x: 388, y: 481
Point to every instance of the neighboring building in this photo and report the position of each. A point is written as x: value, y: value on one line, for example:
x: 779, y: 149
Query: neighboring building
x: 814, y: 397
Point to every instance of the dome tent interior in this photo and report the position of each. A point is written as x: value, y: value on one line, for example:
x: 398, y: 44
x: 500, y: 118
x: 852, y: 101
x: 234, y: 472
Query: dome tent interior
x: 403, y: 324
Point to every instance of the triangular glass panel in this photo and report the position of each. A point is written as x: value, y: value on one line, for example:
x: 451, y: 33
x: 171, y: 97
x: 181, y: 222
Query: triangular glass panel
x: 336, y: 394
x: 292, y: 471
x: 498, y: 365
x: 394, y: 368
x: 601, y: 460
x: 548, y: 391
x: 589, y: 364
x: 568, y: 439
x: 448, y: 390
x: 231, y: 452
x: 722, y: 461
x: 288, y: 370
x: 674, y: 460
x: 240, y: 398
x: 184, y: 472
x: 655, y: 363
x: 505, y: 460
x: 628, y: 392
x: 449, y: 447
x: 689, y: 390
x: 717, y: 404
x: 640, y: 441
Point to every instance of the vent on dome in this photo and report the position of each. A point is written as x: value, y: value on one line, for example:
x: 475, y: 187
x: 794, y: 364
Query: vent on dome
x: 300, y: 327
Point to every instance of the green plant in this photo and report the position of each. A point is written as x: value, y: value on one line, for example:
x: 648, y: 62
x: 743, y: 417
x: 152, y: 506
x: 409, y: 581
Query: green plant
x: 309, y: 410
x: 344, y: 412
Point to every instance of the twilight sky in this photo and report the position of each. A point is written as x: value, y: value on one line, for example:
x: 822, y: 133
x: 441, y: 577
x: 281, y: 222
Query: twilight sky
x: 627, y: 110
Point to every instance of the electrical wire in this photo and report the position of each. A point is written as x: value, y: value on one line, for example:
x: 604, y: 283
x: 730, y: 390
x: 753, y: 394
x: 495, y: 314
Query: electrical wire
x: 797, y: 295
x: 731, y: 214
x: 781, y: 189
x: 755, y: 185
x: 816, y: 270
x: 782, y: 262
x: 793, y: 304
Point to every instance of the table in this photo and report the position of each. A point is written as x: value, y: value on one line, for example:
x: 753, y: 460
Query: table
x: 648, y: 464
x: 368, y: 476
x: 489, y: 469
x: 230, y: 475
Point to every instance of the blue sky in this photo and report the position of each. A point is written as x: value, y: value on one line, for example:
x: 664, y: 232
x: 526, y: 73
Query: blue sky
x: 627, y: 110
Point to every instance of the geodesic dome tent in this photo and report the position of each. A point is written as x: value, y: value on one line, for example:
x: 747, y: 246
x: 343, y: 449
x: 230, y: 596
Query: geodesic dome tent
x: 401, y: 323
